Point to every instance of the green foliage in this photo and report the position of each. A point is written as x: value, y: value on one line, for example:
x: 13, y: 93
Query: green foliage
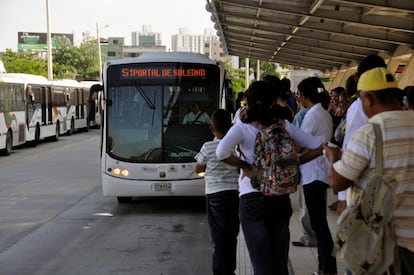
x: 23, y: 63
x: 73, y: 61
x: 269, y: 69
x: 237, y: 78
x: 68, y: 62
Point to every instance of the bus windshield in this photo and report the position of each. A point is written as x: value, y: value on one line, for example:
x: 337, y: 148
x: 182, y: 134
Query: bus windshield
x: 146, y: 119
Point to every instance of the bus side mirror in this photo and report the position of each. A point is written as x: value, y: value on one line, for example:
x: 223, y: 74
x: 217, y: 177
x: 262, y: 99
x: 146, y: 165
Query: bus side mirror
x: 67, y: 97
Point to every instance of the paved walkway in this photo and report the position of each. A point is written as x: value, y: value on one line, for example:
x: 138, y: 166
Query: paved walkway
x: 303, y: 260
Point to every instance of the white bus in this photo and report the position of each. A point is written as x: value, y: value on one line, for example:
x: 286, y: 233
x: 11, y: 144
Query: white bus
x: 30, y: 110
x: 13, y: 108
x: 146, y: 149
x: 76, y: 96
x: 95, y: 102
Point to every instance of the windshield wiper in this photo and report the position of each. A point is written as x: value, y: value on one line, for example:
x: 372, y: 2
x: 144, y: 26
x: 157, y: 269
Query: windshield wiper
x: 145, y: 97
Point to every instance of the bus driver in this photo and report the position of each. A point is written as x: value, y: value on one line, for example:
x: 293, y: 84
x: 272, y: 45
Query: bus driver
x: 196, y: 116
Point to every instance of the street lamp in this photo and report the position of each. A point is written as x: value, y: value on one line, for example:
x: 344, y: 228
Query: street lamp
x: 98, y: 39
x: 49, y: 44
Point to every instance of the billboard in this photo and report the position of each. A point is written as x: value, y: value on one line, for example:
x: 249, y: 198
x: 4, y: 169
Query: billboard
x: 37, y: 41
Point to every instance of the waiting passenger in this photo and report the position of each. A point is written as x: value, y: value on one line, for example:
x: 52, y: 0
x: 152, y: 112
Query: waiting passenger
x: 222, y: 197
x: 380, y: 101
x: 264, y: 219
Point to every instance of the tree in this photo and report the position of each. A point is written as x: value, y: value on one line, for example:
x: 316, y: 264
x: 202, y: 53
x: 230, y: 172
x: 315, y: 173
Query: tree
x: 65, y: 61
x: 23, y: 62
x: 89, y: 62
x: 68, y: 61
x: 269, y: 68
x: 266, y: 68
x: 236, y: 77
x: 73, y: 61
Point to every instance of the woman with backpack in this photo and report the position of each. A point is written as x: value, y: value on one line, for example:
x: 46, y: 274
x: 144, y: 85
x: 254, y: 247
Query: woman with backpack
x: 264, y: 219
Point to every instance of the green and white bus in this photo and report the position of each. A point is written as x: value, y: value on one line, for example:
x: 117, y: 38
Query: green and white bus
x: 30, y: 110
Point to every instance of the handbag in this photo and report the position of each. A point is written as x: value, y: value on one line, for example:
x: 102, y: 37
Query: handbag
x: 365, y: 237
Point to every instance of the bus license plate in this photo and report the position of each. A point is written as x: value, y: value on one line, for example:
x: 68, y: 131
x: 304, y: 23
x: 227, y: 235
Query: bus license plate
x: 162, y: 187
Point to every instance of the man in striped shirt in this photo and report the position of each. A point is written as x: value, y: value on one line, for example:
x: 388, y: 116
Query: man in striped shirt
x: 222, y: 197
x: 381, y: 102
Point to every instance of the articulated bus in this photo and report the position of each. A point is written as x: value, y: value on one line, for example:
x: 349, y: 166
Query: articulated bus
x: 30, y: 110
x: 76, y: 103
x: 146, y: 148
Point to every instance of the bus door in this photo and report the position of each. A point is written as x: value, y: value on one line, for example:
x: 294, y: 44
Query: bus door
x: 30, y: 105
x: 94, y: 102
x: 76, y: 103
x: 82, y: 94
x: 49, y: 105
x: 42, y: 100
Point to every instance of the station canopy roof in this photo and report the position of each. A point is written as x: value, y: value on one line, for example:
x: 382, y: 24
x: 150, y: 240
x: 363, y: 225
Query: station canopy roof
x: 316, y: 34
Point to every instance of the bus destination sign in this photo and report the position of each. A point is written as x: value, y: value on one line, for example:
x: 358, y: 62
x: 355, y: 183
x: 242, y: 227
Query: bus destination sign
x: 160, y: 72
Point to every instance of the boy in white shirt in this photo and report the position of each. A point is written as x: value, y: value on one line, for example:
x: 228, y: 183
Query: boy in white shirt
x: 222, y: 197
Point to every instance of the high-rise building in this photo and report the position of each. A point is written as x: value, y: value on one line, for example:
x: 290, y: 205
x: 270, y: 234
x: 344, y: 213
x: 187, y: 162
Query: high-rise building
x: 146, y: 37
x: 196, y: 43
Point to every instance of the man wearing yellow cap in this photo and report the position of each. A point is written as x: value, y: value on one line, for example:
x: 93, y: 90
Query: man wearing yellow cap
x: 381, y: 102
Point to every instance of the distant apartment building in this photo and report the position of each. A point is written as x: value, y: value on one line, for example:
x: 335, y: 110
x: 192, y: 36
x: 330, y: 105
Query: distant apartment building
x: 115, y: 48
x: 206, y: 43
x: 149, y: 41
x: 214, y: 50
x: 146, y: 37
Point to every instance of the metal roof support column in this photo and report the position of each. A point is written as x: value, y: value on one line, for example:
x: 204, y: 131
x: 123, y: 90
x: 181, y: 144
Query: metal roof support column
x: 247, y: 73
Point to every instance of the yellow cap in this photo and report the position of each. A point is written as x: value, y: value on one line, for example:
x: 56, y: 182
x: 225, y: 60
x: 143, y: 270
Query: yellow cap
x: 376, y: 79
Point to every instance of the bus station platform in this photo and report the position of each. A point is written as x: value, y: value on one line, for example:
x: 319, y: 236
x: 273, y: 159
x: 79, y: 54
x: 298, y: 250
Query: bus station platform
x: 302, y: 260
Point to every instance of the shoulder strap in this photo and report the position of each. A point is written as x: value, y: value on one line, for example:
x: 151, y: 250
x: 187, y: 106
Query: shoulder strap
x: 197, y: 117
x: 378, y: 149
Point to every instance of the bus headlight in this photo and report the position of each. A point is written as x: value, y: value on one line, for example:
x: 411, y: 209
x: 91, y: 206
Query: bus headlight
x: 116, y: 171
x: 125, y: 173
x: 201, y: 174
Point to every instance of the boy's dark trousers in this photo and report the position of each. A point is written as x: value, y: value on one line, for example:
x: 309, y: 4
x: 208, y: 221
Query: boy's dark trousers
x: 223, y: 219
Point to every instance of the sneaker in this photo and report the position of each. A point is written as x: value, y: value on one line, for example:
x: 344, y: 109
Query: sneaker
x: 305, y: 241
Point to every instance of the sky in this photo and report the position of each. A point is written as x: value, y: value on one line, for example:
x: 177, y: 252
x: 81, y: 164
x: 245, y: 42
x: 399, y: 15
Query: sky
x: 122, y: 16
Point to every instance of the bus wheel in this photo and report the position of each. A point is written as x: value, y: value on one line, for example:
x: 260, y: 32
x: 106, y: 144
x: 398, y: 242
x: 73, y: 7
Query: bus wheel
x: 57, y: 132
x: 72, y: 127
x: 9, y: 144
x: 36, y: 140
x: 124, y: 199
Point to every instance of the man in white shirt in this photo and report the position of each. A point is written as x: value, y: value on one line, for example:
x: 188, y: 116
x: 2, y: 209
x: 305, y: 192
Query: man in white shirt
x: 196, y: 116
x: 355, y: 116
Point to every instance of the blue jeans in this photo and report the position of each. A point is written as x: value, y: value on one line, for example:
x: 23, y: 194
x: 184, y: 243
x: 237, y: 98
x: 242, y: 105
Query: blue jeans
x: 315, y: 198
x: 265, y: 225
x: 406, y: 260
x: 223, y: 219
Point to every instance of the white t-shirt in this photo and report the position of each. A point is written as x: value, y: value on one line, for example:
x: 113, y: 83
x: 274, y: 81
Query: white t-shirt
x: 244, y: 135
x: 219, y: 176
x: 317, y: 122
x: 191, y: 117
x: 355, y: 118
